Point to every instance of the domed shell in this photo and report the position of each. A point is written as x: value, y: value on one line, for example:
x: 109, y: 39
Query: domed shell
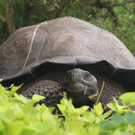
x: 64, y: 40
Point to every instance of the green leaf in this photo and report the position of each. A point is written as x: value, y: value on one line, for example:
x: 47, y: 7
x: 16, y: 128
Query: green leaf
x: 2, y: 90
x: 82, y: 109
x: 37, y: 97
x: 23, y: 99
x: 94, y: 131
x: 15, y: 128
x: 112, y: 106
x: 130, y: 117
x: 88, y: 117
x: 43, y: 127
x: 98, y: 109
x: 2, y: 128
x: 17, y: 110
x: 117, y: 119
x: 17, y: 97
x: 66, y: 107
x: 15, y: 88
x: 106, y: 125
x: 119, y: 132
x: 128, y: 98
x: 119, y: 107
x: 107, y: 114
x: 103, y: 123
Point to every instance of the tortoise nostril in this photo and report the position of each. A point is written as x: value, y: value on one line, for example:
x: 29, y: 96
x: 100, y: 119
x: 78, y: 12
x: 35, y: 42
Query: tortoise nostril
x: 72, y: 75
x: 72, y: 72
x: 75, y: 71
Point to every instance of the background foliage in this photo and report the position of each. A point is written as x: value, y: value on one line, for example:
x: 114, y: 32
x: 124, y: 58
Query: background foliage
x: 117, y: 16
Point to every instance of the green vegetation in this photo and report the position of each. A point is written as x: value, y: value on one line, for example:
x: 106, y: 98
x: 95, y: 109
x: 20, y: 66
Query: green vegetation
x: 117, y: 16
x: 19, y: 117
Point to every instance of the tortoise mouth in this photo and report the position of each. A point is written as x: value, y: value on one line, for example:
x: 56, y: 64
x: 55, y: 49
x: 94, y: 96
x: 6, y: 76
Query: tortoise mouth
x: 83, y: 89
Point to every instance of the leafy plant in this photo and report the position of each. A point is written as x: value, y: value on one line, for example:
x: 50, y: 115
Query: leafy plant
x: 19, y: 117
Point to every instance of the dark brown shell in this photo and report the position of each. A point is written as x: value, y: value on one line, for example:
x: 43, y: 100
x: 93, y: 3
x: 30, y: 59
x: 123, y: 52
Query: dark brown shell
x: 65, y: 40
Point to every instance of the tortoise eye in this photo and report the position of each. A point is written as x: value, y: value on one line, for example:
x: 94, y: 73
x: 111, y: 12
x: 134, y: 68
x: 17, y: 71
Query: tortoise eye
x: 87, y: 76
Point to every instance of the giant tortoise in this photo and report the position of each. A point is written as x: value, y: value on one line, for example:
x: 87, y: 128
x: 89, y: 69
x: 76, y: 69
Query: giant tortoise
x: 67, y: 54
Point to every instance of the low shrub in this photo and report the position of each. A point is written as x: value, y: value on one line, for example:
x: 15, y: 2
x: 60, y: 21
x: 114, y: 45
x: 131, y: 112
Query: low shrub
x: 19, y: 117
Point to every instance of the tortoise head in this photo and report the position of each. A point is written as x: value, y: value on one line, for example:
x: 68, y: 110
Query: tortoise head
x: 81, y: 86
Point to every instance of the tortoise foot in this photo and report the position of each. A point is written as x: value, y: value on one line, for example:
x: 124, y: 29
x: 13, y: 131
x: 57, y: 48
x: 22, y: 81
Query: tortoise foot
x: 46, y: 88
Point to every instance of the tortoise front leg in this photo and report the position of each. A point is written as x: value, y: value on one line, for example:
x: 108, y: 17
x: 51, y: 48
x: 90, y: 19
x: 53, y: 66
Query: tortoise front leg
x: 50, y: 89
